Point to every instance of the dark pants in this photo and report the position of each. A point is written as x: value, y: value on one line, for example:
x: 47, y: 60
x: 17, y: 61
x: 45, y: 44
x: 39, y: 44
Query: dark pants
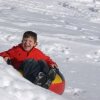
x: 31, y: 68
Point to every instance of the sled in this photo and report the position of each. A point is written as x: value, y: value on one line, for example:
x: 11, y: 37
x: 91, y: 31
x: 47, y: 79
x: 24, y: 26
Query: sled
x: 58, y: 84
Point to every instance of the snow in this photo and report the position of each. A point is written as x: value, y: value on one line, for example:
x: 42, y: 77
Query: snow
x: 68, y: 31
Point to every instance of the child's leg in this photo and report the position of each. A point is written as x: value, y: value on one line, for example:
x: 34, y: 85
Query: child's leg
x: 49, y: 76
x: 30, y: 68
x: 50, y: 72
x: 42, y: 75
x: 44, y: 66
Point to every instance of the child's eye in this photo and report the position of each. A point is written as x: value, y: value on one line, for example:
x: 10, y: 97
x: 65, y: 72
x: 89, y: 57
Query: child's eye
x: 24, y: 40
x: 30, y: 41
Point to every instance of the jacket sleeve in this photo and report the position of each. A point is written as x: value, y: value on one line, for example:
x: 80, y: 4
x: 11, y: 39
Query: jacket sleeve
x: 9, y: 53
x: 49, y: 60
x: 46, y: 58
x: 4, y: 54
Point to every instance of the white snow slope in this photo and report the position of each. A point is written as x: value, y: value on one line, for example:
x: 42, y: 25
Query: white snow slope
x: 68, y: 31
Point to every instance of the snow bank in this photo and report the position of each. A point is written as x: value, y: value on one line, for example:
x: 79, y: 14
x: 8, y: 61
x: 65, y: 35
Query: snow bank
x: 14, y: 87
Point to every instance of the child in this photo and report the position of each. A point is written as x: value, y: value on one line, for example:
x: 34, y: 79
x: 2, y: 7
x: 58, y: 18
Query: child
x: 26, y: 57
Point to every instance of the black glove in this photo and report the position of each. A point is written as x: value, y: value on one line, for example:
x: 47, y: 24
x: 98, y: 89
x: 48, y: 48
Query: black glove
x: 9, y: 62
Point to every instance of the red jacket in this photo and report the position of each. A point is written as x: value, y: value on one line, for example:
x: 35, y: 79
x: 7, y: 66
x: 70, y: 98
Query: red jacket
x: 18, y: 55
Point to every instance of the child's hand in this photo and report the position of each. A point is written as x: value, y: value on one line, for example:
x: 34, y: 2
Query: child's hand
x: 54, y: 65
x: 6, y: 58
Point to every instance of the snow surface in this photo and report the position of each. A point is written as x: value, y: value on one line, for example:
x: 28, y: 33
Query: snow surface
x: 68, y: 31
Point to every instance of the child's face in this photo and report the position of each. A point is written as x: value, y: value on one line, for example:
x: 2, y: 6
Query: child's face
x: 28, y: 43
